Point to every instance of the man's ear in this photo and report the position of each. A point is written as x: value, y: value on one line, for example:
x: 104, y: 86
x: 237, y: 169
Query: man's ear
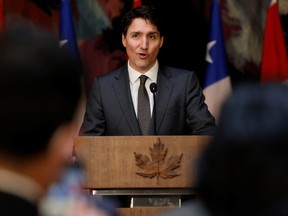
x: 162, y: 41
x: 123, y: 40
x: 61, y: 143
x: 57, y: 155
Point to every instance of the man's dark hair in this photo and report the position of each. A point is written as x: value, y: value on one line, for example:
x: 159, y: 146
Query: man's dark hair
x: 40, y: 89
x: 146, y: 12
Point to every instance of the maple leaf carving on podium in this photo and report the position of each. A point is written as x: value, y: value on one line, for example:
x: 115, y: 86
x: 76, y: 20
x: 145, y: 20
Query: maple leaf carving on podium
x: 157, y: 166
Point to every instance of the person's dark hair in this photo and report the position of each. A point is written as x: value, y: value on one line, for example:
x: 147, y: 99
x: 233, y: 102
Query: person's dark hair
x: 244, y: 170
x: 40, y: 89
x: 146, y: 12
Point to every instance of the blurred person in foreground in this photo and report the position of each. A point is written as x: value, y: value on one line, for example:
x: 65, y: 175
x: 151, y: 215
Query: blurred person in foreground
x: 40, y: 90
x: 244, y: 170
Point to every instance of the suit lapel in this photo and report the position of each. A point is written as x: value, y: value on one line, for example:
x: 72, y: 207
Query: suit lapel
x: 122, y: 89
x: 163, y: 94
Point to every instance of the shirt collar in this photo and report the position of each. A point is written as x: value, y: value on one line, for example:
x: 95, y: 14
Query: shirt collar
x: 152, y: 73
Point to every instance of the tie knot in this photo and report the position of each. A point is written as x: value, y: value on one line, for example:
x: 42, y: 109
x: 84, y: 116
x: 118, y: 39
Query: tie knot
x: 143, y: 79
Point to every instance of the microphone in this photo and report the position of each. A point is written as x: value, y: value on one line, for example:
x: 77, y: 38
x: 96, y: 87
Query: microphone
x: 153, y: 89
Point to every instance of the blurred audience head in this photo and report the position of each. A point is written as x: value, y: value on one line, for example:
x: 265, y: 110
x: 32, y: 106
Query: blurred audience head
x: 40, y: 90
x: 244, y: 170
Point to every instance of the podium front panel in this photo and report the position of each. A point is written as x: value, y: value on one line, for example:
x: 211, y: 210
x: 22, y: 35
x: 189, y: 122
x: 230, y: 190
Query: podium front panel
x: 110, y: 161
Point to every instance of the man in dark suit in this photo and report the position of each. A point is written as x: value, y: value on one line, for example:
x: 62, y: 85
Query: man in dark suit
x: 112, y: 107
x: 40, y: 89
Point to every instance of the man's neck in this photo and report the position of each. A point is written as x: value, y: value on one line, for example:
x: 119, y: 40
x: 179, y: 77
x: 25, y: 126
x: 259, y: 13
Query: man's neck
x: 19, y: 185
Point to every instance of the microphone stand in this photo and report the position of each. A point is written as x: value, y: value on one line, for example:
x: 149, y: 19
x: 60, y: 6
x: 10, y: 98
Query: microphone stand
x: 153, y: 89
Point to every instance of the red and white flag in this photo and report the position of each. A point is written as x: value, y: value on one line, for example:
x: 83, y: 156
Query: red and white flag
x: 274, y: 66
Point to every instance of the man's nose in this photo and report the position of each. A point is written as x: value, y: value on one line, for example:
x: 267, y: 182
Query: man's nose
x: 144, y: 43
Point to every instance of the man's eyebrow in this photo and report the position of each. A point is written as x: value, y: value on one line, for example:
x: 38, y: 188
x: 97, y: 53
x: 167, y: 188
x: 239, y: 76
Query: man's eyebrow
x: 148, y: 33
x: 154, y: 32
x: 135, y: 32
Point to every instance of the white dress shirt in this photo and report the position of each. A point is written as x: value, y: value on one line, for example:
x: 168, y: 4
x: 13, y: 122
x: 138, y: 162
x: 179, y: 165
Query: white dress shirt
x: 135, y: 83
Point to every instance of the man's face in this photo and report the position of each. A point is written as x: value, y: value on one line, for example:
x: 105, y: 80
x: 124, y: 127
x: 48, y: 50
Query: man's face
x: 142, y: 43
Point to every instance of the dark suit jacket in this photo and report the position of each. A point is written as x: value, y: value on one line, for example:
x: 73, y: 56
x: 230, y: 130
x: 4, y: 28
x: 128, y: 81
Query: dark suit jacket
x: 11, y: 205
x: 180, y: 107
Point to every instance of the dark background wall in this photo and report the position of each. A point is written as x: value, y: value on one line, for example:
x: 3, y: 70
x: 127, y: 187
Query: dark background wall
x: 187, y: 21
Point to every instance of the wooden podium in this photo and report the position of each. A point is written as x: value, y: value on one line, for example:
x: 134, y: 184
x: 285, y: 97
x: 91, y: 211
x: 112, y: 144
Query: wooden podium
x: 140, y: 165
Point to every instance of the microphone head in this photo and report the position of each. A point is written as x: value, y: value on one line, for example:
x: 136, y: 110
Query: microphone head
x: 153, y: 87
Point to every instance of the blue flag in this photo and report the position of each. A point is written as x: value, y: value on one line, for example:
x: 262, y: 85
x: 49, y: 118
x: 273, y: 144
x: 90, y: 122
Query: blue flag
x: 67, y: 36
x: 217, y: 84
x: 68, y: 41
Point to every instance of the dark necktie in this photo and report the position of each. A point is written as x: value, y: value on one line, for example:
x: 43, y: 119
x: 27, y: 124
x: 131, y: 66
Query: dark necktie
x: 144, y: 115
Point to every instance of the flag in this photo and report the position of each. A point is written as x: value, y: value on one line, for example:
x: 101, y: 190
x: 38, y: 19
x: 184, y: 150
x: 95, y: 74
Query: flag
x: 137, y: 3
x: 68, y: 39
x: 2, y: 15
x: 217, y: 84
x: 274, y: 65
